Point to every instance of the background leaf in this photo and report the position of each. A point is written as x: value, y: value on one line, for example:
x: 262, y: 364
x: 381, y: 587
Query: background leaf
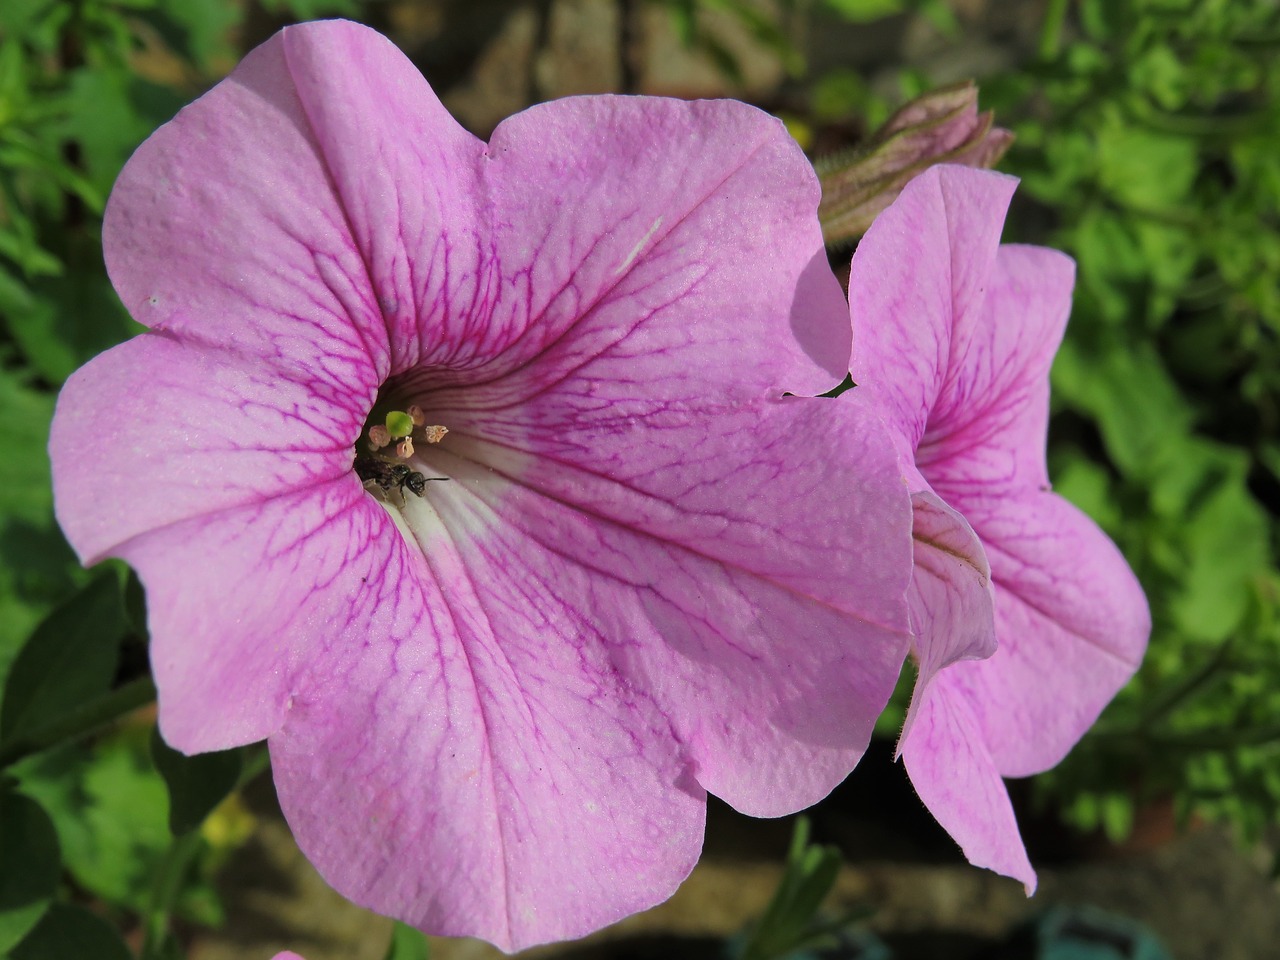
x: 29, y: 856
x: 70, y: 931
x: 196, y: 784
x: 70, y: 659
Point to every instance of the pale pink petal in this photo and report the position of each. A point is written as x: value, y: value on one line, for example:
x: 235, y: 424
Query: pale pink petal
x: 180, y: 429
x: 946, y: 757
x: 287, y: 955
x: 956, y: 342
x: 242, y: 603
x: 776, y: 613
x: 987, y: 429
x: 592, y: 650
x: 1072, y: 622
x: 224, y: 229
x: 475, y: 763
x: 586, y: 208
x: 952, y: 613
x: 919, y: 274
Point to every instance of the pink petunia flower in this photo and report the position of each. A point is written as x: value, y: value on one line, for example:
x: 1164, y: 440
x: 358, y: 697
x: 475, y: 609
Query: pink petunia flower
x: 591, y: 563
x: 955, y: 336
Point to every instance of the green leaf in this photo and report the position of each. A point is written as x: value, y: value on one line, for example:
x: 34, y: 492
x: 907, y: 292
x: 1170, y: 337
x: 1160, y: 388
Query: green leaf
x: 1226, y: 546
x: 37, y: 572
x: 103, y: 121
x: 69, y: 931
x: 864, y: 11
x: 1141, y: 168
x: 199, y: 30
x: 109, y: 806
x: 69, y: 659
x: 72, y: 318
x: 196, y: 784
x: 407, y: 944
x: 310, y: 9
x: 29, y: 866
x: 1143, y: 417
x: 24, y: 433
x: 790, y: 918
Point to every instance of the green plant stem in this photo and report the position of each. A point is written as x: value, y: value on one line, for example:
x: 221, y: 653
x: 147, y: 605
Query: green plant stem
x: 257, y: 762
x: 172, y: 872
x: 80, y: 723
x: 1051, y: 33
x: 164, y: 892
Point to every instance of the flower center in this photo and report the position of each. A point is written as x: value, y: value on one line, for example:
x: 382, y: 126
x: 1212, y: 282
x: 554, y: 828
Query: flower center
x: 385, y: 456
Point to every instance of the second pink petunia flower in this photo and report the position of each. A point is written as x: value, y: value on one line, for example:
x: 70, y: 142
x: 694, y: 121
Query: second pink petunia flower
x: 955, y: 335
x: 494, y: 701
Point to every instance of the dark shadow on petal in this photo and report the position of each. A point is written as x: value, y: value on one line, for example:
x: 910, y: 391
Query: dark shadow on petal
x: 826, y: 338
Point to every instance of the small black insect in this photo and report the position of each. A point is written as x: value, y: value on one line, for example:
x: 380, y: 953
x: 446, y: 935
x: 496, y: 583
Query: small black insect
x: 387, y: 476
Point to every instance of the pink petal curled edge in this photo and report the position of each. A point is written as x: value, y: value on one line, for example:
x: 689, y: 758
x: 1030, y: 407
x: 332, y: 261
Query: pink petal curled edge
x: 958, y: 352
x: 492, y: 710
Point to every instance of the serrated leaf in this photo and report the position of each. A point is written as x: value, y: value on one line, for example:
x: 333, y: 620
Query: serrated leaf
x: 29, y: 866
x: 196, y: 784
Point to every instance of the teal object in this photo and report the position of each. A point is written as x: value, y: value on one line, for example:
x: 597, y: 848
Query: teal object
x: 1087, y: 933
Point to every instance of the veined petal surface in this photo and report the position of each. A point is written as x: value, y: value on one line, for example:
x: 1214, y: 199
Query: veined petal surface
x: 955, y: 336
x: 946, y: 756
x: 492, y: 709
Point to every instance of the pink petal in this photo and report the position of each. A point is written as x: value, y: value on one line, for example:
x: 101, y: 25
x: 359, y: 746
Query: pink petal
x: 1072, y: 622
x: 806, y: 561
x: 987, y: 429
x: 178, y: 429
x: 474, y: 763
x: 946, y: 757
x: 224, y: 229
x: 580, y: 209
x: 604, y: 645
x: 241, y: 604
x: 919, y: 274
x: 952, y: 606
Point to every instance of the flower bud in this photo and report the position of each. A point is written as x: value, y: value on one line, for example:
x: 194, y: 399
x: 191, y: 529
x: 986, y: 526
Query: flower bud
x: 942, y: 126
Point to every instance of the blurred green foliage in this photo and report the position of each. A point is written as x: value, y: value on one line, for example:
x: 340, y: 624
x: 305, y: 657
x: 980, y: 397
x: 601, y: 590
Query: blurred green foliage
x: 82, y: 83
x: 1149, y: 141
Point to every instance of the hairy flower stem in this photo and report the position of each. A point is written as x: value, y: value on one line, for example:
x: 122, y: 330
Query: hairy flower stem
x: 80, y: 723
